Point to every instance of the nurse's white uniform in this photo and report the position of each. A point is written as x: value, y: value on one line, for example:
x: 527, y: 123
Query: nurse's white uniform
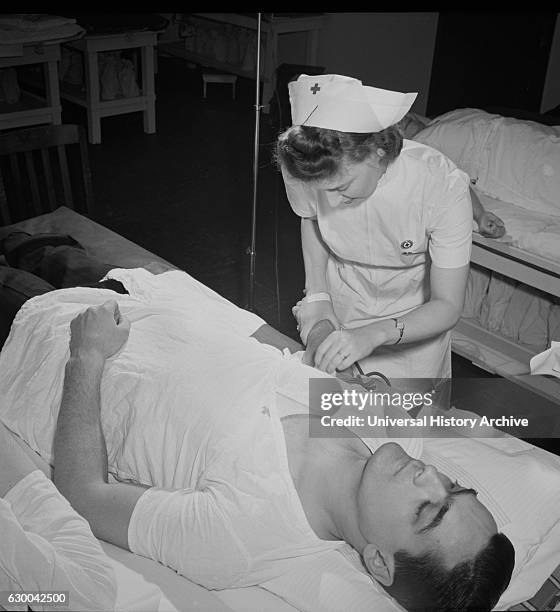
x: 381, y: 249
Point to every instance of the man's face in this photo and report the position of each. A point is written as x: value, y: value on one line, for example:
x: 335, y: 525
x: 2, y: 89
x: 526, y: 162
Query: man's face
x: 404, y: 504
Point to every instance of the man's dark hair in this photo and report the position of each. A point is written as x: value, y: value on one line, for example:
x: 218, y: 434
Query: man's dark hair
x: 423, y: 584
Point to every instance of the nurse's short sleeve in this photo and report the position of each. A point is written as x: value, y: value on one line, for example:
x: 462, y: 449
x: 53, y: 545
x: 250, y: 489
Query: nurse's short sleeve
x: 302, y: 197
x: 450, y: 218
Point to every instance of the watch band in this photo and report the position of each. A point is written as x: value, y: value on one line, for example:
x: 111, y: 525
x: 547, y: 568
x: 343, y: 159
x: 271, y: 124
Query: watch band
x: 399, y: 324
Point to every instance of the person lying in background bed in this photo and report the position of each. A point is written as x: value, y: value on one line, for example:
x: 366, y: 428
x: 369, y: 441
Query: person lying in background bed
x: 181, y: 439
x: 412, y: 126
x: 46, y: 545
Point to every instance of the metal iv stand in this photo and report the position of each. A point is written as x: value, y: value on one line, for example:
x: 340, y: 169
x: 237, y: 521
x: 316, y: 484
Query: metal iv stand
x: 251, y: 249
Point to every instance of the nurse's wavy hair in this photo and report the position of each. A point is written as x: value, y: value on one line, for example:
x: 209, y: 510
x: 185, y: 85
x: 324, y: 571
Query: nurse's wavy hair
x: 423, y: 584
x: 314, y: 154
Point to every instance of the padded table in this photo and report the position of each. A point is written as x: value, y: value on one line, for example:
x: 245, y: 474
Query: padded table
x: 112, y: 248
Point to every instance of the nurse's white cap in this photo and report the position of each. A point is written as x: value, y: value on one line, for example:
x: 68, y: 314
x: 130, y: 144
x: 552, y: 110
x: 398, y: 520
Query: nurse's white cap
x: 342, y: 103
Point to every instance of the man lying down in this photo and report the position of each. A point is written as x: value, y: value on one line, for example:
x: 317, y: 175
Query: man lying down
x: 181, y: 438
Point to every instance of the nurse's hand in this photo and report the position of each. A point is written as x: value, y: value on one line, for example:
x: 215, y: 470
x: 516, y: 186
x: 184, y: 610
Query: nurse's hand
x: 342, y: 348
x: 307, y: 314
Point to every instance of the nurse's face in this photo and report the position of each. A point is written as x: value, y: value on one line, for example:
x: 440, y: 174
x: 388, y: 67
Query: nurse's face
x: 404, y: 504
x: 355, y: 182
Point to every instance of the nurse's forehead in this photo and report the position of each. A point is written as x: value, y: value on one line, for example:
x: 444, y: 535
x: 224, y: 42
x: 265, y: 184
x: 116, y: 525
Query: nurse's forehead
x: 335, y: 184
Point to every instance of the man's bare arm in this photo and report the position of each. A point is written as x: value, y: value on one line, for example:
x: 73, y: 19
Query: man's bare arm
x: 80, y: 454
x: 489, y: 224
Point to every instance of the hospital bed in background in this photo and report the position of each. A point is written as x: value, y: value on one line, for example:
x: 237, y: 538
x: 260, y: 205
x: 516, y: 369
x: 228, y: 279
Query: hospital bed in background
x: 512, y: 307
x: 146, y: 585
x: 515, y: 271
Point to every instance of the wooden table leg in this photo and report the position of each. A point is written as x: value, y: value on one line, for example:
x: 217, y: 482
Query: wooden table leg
x: 148, y: 89
x: 93, y: 96
x: 52, y: 91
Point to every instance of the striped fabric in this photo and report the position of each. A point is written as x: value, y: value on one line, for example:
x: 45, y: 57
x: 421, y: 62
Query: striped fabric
x: 547, y: 598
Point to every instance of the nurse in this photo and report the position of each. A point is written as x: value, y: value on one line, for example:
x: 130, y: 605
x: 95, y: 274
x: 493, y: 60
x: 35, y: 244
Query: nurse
x: 386, y: 229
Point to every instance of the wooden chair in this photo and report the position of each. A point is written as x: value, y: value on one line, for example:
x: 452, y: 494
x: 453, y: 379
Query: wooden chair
x: 42, y: 168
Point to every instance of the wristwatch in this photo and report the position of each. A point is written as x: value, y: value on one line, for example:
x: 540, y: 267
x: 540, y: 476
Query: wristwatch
x: 399, y: 324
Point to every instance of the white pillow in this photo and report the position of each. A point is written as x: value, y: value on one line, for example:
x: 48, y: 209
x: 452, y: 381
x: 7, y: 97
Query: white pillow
x: 520, y: 485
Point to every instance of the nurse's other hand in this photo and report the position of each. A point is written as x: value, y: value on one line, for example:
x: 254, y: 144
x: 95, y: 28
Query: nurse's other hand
x: 307, y: 314
x: 342, y: 348
x: 491, y: 226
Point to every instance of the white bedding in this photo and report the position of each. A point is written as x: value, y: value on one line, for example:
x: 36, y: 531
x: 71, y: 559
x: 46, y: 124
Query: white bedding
x: 23, y: 418
x: 183, y: 595
x: 513, y: 160
x: 514, y: 166
x: 531, y: 231
x: 141, y: 580
x: 146, y: 586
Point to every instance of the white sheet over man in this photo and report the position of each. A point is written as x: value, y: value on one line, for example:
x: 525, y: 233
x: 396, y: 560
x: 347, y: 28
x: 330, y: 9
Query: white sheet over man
x: 189, y: 356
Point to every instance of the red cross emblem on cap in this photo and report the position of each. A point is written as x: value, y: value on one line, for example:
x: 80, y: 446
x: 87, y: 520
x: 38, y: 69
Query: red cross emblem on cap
x: 315, y: 88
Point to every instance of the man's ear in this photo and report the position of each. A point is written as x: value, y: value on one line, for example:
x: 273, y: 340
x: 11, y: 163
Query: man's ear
x: 380, y: 565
